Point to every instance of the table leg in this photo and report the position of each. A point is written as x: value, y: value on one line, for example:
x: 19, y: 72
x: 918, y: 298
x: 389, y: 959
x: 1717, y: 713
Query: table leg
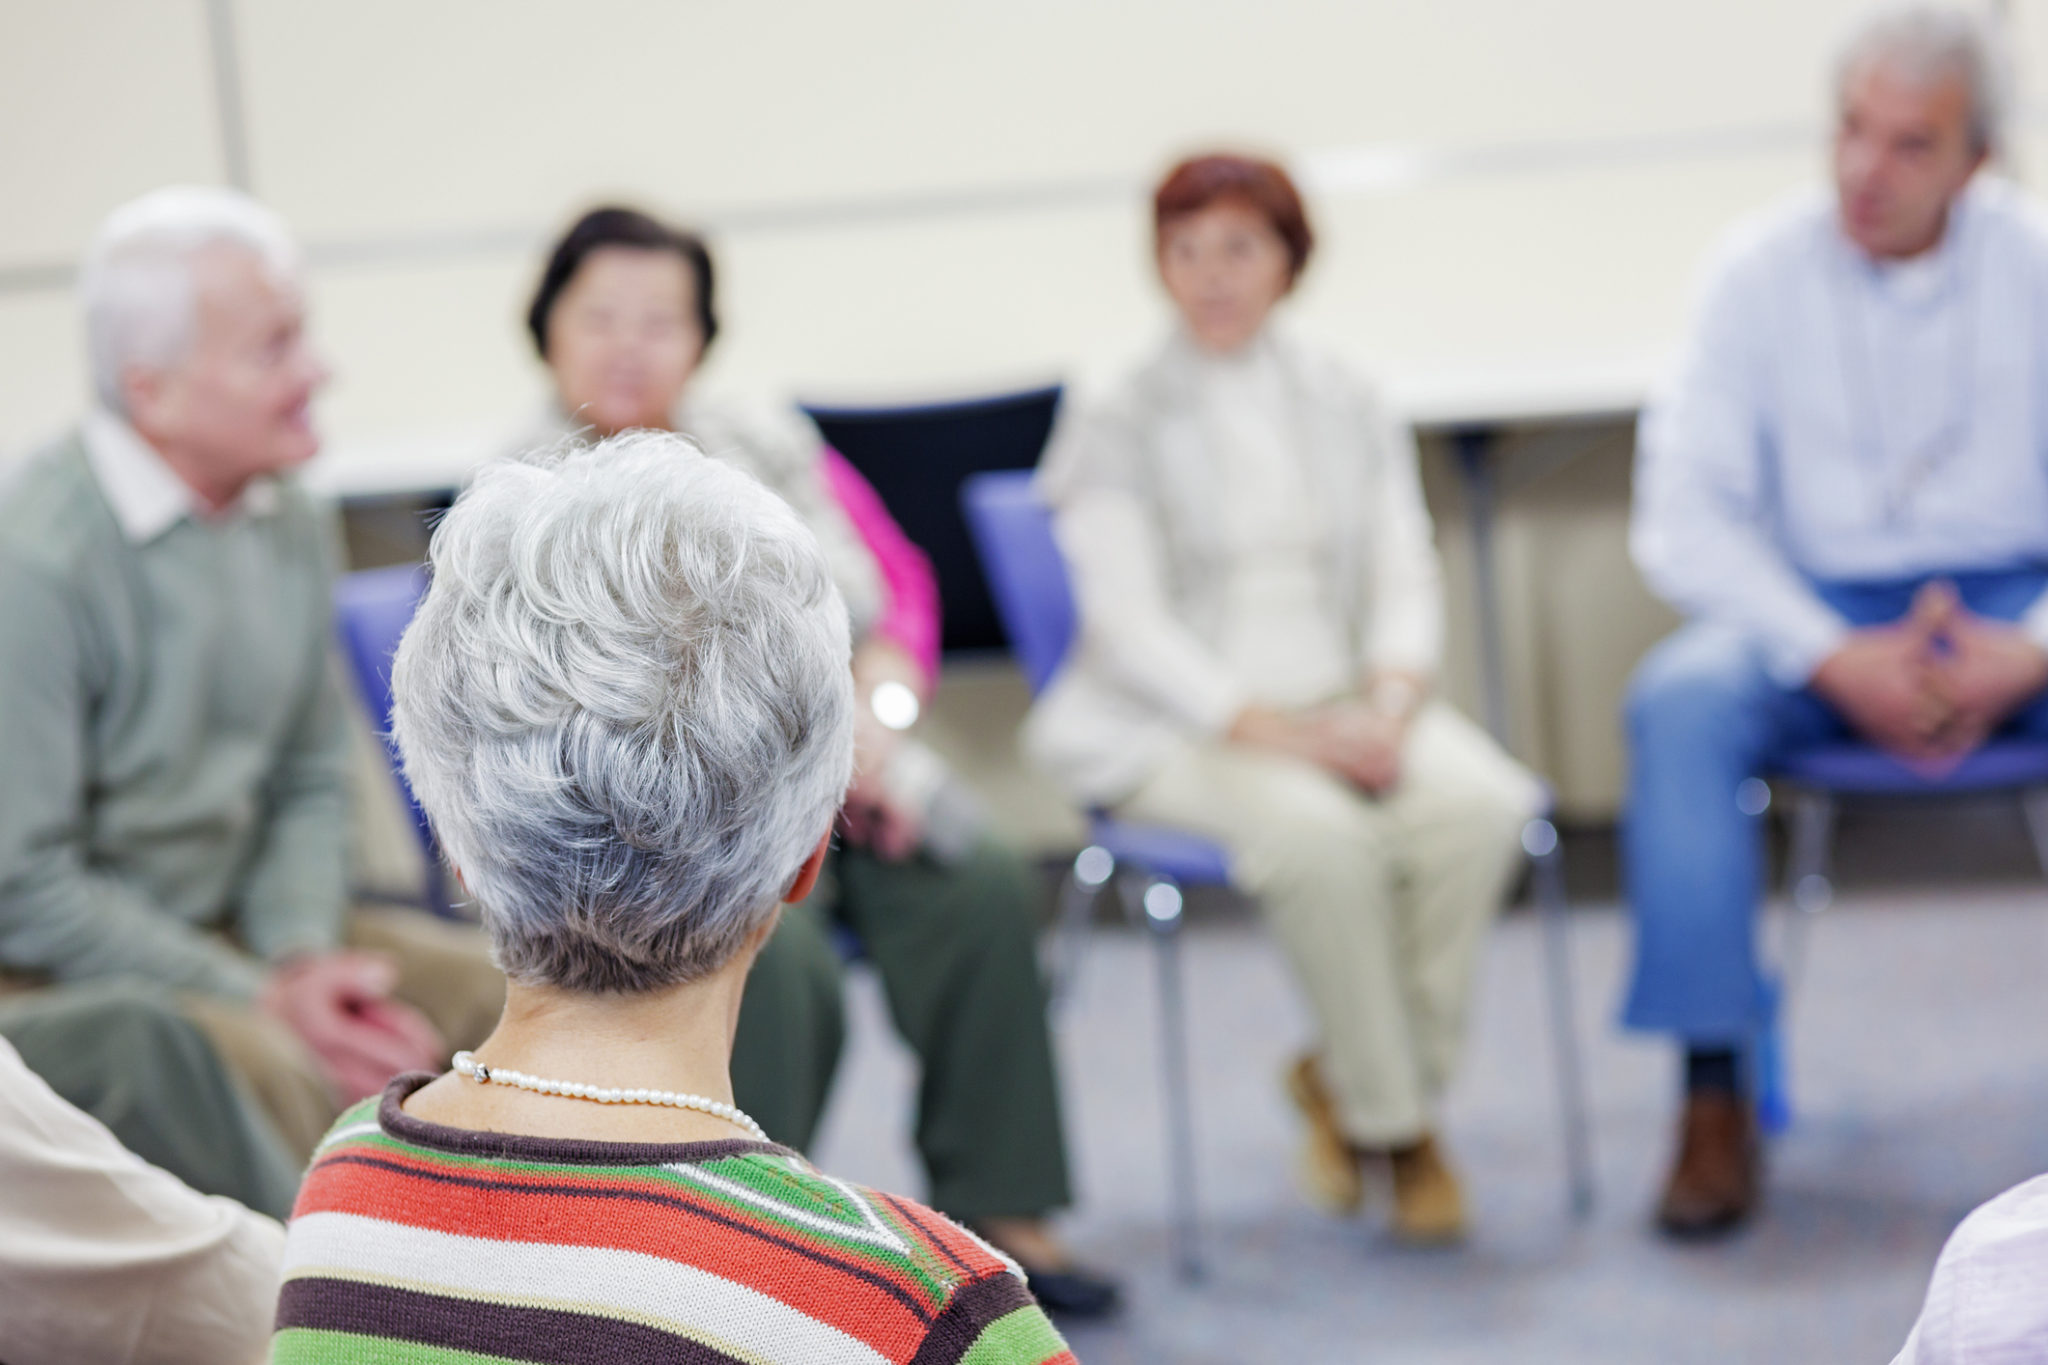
x: 1474, y: 447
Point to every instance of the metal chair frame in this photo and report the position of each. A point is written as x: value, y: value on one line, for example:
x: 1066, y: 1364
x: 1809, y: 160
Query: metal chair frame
x: 1812, y: 812
x: 1156, y: 900
x: 1152, y: 894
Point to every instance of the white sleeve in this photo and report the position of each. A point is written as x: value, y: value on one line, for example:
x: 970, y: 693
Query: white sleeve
x: 1698, y: 530
x: 1114, y: 555
x: 106, y: 1258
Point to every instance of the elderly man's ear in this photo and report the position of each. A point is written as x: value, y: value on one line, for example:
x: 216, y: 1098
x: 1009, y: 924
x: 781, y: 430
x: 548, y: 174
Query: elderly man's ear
x: 807, y: 875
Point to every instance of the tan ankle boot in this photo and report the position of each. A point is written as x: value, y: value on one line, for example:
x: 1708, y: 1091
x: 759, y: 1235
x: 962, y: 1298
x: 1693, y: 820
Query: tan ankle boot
x: 1328, y: 1168
x: 1429, y: 1208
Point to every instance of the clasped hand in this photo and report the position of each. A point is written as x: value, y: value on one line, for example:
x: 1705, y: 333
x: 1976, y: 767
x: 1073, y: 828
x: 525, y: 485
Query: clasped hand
x: 339, y: 1004
x: 1932, y: 687
x: 1348, y: 738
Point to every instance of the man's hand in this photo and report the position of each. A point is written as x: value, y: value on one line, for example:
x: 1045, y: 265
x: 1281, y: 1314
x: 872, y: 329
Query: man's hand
x: 1882, y: 679
x: 1987, y: 671
x: 340, y: 1006
x: 1934, y: 686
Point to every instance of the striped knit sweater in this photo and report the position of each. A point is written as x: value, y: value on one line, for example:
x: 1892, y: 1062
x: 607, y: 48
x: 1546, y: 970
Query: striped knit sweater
x: 418, y: 1244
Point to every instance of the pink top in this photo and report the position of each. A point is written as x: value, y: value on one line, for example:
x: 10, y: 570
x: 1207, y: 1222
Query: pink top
x: 911, y: 618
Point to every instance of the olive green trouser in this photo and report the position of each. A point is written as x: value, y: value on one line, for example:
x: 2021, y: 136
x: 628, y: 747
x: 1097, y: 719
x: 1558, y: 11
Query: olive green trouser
x: 955, y: 946
x: 120, y: 1050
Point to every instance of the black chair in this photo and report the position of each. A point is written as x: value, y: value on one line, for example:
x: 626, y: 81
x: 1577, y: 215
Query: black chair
x: 917, y: 457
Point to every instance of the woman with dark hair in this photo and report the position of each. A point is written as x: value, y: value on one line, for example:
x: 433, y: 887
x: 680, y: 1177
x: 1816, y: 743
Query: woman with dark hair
x: 1260, y: 619
x: 622, y: 316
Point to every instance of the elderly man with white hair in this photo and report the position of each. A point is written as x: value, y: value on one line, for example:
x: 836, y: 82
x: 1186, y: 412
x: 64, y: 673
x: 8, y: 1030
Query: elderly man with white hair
x: 1845, y: 489
x: 173, y: 814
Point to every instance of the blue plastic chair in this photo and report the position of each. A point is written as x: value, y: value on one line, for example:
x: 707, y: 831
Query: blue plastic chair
x: 1815, y: 780
x: 372, y: 608
x: 1028, y: 582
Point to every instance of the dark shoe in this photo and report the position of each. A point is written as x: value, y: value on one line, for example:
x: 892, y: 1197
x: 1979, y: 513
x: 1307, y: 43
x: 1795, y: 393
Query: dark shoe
x: 1073, y: 1292
x: 1715, y: 1182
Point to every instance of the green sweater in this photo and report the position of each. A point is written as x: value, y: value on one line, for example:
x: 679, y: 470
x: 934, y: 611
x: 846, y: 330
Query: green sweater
x: 173, y: 753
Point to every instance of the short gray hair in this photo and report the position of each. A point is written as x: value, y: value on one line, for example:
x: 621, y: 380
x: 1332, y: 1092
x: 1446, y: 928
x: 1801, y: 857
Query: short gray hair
x: 626, y: 706
x: 1928, y: 42
x: 136, y: 282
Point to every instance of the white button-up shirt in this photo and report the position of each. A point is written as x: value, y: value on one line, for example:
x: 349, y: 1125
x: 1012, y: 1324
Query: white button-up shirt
x: 1838, y: 418
x: 147, y: 496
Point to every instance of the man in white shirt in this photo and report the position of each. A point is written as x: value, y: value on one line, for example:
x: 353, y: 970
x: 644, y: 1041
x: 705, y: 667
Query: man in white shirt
x: 1845, y: 489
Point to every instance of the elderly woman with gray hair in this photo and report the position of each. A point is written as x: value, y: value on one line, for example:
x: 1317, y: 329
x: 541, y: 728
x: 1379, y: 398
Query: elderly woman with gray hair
x: 626, y: 706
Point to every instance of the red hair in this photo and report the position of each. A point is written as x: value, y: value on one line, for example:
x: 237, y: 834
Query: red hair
x: 1200, y: 181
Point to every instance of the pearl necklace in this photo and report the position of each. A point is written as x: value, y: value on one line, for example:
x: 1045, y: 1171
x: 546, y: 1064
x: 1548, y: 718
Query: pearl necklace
x: 467, y: 1064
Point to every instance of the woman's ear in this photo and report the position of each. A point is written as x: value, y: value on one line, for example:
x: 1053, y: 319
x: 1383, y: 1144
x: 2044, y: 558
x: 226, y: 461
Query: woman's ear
x: 807, y: 875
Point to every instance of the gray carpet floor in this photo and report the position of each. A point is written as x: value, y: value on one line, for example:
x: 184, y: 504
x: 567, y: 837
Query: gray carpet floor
x: 1919, y: 1064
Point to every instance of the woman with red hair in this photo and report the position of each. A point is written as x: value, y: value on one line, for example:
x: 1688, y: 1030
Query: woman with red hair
x: 1260, y: 621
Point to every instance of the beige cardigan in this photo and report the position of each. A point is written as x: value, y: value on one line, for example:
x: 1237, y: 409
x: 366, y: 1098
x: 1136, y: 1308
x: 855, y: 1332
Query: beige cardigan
x: 1130, y: 481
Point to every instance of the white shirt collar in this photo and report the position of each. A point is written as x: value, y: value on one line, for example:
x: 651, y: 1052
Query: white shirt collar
x: 146, y: 494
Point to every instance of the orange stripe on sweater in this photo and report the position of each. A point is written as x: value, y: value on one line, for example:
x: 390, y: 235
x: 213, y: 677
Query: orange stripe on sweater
x: 579, y: 1212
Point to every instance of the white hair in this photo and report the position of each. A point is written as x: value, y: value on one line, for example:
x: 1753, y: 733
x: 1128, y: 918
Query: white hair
x: 1927, y: 42
x: 626, y: 706
x: 136, y: 284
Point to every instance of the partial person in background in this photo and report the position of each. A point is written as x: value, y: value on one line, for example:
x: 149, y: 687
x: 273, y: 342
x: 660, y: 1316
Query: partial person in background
x: 1984, y: 1303
x: 174, y: 808
x: 948, y: 916
x: 1844, y: 488
x: 103, y: 1257
x: 625, y: 705
x: 1260, y: 620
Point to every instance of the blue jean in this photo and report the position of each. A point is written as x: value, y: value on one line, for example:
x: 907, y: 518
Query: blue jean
x: 1703, y: 716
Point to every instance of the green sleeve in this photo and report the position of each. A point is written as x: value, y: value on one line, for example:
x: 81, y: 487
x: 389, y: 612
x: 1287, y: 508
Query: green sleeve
x: 59, y: 915
x: 295, y: 889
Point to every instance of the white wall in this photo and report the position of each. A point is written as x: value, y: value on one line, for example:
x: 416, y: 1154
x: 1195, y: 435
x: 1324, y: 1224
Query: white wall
x: 424, y: 151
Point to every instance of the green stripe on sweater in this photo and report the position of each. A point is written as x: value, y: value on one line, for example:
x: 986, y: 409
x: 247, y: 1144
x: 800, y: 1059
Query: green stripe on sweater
x: 1025, y: 1335
x: 306, y: 1346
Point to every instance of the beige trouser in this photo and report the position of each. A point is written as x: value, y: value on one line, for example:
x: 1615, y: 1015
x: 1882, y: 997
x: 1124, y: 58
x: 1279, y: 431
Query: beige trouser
x: 1380, y: 903
x: 444, y: 971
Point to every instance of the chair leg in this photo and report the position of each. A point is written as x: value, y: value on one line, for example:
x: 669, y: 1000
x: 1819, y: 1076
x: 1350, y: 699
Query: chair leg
x: 1079, y: 890
x: 1809, y: 891
x: 1540, y: 842
x: 1808, y: 885
x: 2034, y: 805
x: 1159, y: 902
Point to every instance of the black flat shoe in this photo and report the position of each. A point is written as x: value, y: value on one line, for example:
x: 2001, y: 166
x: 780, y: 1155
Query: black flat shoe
x: 1074, y: 1293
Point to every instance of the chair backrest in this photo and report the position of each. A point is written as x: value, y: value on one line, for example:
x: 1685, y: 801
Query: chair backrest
x: 917, y: 459
x: 372, y: 608
x: 1027, y: 578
